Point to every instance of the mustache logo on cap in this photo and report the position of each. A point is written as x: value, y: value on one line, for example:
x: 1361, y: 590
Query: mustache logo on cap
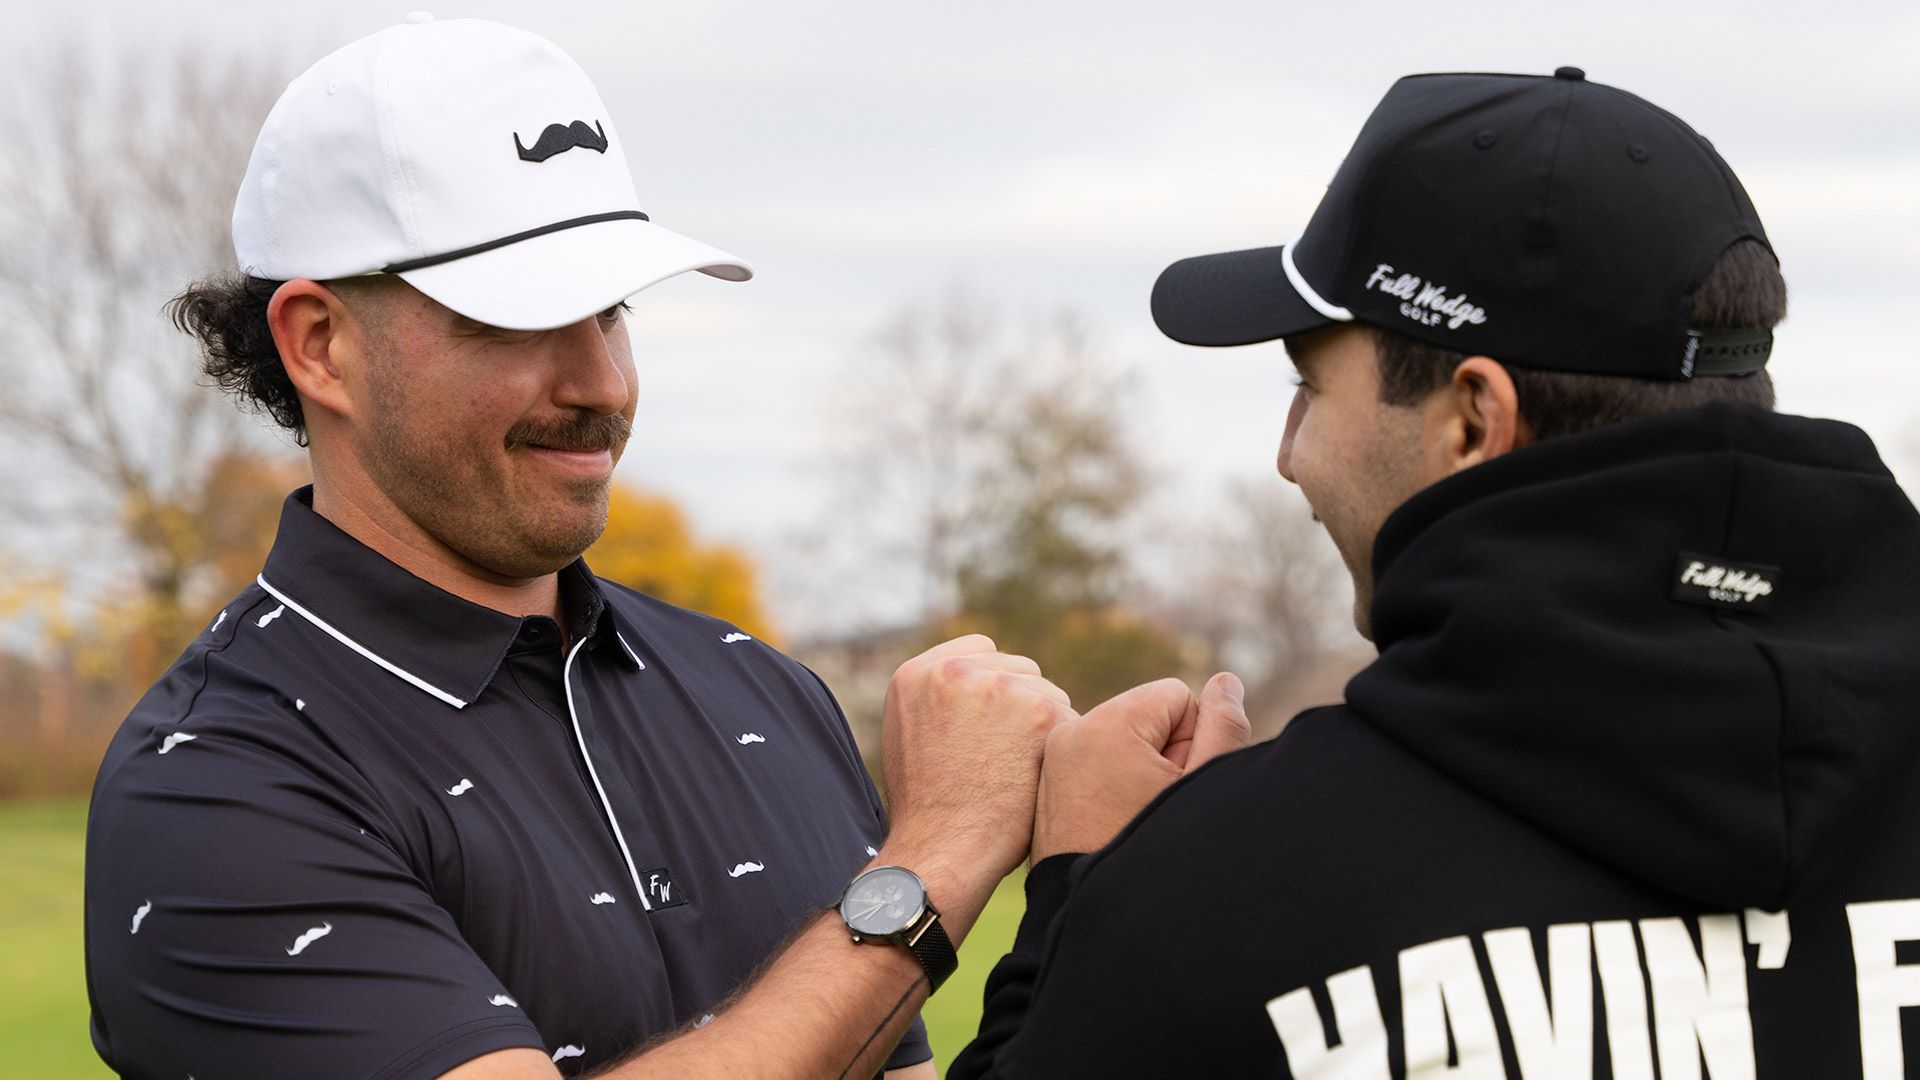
x: 560, y: 138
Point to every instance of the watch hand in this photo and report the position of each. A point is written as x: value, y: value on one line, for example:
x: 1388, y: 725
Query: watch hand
x: 876, y: 907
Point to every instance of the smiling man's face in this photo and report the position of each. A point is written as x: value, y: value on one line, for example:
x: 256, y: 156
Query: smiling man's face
x: 1355, y: 457
x: 499, y: 444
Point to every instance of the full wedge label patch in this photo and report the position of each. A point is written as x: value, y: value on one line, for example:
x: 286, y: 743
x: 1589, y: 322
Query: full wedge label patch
x: 1722, y: 583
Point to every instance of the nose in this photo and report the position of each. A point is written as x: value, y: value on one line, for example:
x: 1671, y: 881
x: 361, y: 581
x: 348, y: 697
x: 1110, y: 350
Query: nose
x: 1294, y: 413
x: 591, y: 366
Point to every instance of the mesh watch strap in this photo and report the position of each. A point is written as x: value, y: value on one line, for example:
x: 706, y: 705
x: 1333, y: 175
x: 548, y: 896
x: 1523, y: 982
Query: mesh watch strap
x: 935, y: 952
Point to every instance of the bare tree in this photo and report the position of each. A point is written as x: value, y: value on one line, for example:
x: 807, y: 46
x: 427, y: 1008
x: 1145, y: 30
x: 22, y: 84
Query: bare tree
x: 117, y: 191
x: 988, y: 469
x: 910, y: 418
x: 952, y: 420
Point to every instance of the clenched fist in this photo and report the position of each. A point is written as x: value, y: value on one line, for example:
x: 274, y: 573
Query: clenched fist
x: 1102, y: 770
x: 961, y: 741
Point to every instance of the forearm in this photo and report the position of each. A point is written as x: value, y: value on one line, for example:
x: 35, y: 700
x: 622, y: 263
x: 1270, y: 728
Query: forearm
x: 826, y: 1006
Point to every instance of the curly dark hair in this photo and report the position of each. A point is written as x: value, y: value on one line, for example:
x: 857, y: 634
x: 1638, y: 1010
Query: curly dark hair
x: 227, y: 314
x: 1743, y: 289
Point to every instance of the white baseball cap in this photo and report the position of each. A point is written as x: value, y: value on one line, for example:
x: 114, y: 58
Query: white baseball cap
x: 474, y: 160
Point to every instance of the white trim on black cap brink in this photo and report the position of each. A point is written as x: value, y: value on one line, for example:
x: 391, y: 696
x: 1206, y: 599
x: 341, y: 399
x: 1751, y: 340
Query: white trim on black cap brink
x: 1314, y: 300
x: 1582, y: 215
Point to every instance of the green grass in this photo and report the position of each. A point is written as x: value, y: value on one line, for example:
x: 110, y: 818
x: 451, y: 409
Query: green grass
x: 43, y: 990
x: 953, y: 1015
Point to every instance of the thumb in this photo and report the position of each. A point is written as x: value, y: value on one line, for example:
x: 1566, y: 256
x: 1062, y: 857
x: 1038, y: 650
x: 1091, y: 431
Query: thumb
x: 1222, y: 725
x: 1150, y: 711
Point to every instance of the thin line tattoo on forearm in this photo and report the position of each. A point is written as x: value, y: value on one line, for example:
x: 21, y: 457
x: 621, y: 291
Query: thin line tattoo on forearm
x: 884, y: 1021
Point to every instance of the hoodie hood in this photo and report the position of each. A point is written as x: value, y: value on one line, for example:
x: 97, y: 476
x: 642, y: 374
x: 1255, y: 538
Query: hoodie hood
x: 1532, y: 646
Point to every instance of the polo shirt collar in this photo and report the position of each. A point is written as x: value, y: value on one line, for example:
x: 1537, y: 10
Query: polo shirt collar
x: 416, y: 631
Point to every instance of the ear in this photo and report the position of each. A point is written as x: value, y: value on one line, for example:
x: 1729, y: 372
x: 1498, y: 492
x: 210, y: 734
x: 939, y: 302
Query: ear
x: 1481, y: 417
x: 317, y: 340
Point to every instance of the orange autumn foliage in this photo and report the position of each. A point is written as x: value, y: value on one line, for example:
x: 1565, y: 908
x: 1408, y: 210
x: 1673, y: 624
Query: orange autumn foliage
x: 649, y: 546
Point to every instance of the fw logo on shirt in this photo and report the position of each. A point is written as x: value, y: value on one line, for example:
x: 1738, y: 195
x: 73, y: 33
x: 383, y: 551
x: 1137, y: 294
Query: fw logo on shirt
x: 661, y: 891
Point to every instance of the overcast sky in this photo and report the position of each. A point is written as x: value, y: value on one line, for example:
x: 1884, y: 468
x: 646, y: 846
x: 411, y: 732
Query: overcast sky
x: 866, y: 154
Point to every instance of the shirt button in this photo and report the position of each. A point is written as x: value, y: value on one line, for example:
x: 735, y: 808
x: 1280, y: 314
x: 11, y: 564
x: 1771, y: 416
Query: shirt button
x: 532, y: 632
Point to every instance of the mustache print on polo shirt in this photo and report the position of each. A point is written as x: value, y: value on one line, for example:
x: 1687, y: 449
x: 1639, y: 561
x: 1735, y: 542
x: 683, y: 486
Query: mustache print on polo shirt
x: 300, y: 943
x: 175, y: 739
x: 609, y: 432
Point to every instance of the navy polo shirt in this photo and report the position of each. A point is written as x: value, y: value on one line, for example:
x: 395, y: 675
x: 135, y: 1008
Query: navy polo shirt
x: 363, y: 827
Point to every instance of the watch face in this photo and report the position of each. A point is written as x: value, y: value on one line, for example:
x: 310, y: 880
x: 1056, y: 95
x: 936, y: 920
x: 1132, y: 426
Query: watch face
x: 882, y: 901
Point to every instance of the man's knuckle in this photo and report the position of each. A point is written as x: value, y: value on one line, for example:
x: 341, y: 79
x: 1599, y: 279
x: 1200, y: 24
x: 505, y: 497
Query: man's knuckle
x: 949, y: 670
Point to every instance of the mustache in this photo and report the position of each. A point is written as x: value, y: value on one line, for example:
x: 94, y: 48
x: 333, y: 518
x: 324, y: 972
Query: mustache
x: 609, y: 432
x: 560, y: 138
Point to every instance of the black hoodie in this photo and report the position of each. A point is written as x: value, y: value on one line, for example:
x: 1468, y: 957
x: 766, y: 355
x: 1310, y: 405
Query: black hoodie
x: 1631, y: 786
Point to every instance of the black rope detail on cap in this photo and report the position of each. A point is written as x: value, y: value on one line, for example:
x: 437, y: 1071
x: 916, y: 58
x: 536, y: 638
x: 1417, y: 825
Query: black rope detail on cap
x: 570, y: 223
x: 1726, y: 352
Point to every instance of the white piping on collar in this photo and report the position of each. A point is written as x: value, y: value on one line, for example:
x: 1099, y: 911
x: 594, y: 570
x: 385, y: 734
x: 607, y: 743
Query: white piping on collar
x: 1314, y: 300
x: 343, y: 639
x: 630, y: 653
x: 566, y: 684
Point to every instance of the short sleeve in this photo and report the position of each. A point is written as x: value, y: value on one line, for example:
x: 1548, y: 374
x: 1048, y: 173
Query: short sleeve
x: 914, y: 1047
x: 246, y: 916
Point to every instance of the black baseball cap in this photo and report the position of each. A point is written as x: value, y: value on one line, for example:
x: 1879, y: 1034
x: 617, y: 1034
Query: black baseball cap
x: 1546, y: 221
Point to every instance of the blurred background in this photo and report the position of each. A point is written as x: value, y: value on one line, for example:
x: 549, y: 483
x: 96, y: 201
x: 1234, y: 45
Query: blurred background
x: 941, y: 406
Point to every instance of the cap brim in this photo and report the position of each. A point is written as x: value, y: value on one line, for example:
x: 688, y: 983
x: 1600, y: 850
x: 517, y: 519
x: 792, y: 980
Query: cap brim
x: 1233, y: 298
x: 558, y: 278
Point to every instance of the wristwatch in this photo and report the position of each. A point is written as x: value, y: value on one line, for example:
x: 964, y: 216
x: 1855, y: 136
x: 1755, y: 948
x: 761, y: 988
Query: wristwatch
x: 889, y: 903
